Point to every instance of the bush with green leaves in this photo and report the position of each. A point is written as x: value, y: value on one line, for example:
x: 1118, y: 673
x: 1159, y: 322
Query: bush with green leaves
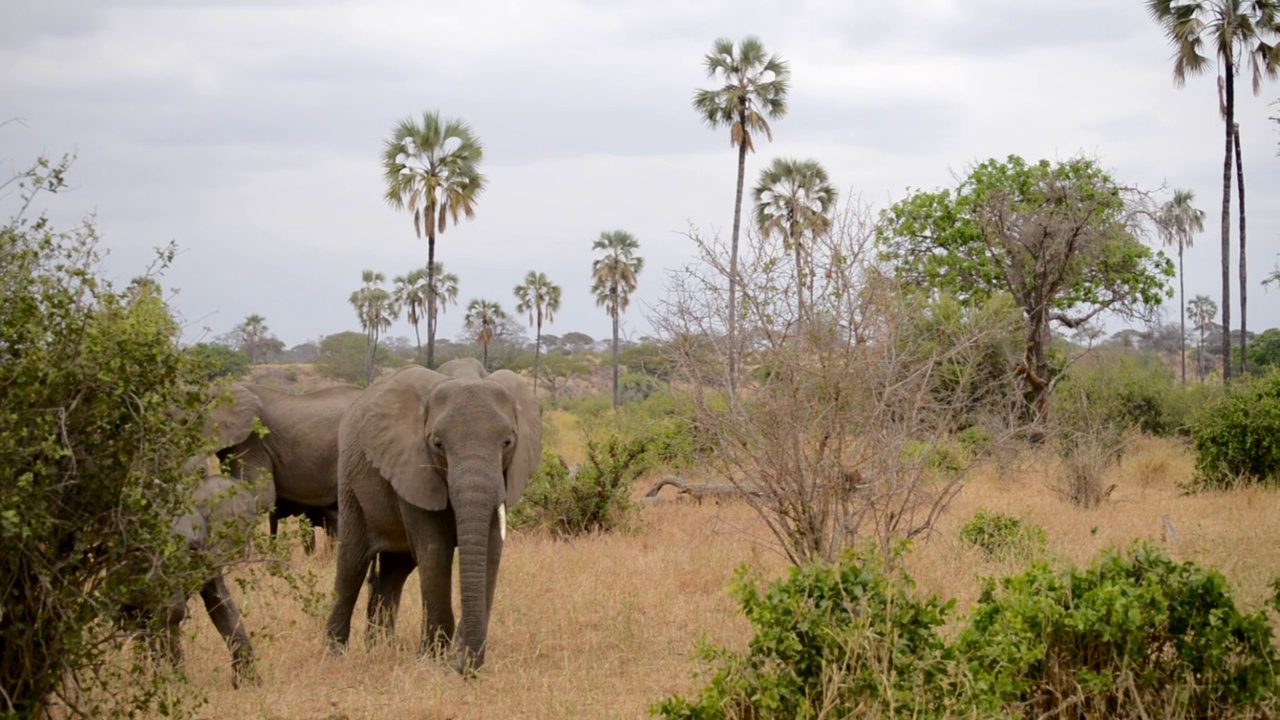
x: 840, y: 640
x: 1134, y: 634
x: 345, y: 356
x: 219, y: 361
x: 1237, y: 437
x: 1001, y: 536
x: 99, y: 411
x: 1124, y: 388
x: 596, y: 498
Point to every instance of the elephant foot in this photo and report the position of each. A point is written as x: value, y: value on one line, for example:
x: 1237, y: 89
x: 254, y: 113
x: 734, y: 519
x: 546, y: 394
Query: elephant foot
x: 467, y: 664
x: 245, y: 675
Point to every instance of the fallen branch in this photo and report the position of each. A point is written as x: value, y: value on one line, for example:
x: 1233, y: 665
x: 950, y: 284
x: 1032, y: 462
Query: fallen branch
x: 700, y: 491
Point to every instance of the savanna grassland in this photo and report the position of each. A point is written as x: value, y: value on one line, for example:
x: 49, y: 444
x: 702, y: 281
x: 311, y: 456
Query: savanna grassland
x: 603, y: 626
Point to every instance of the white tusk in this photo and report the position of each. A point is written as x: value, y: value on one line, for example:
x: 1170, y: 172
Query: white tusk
x: 502, y: 520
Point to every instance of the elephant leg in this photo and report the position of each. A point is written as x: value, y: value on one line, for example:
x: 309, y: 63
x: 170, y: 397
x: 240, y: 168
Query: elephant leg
x: 226, y: 617
x: 384, y: 594
x: 353, y: 563
x: 434, y: 538
x: 167, y: 644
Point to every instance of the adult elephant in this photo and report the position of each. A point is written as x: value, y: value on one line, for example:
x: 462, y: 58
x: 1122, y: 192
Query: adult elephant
x: 428, y: 462
x: 299, y: 448
x: 218, y: 527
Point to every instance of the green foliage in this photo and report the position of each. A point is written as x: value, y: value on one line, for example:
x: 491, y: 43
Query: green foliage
x: 842, y: 640
x: 1132, y: 631
x: 1001, y: 536
x: 597, y: 498
x: 345, y: 356
x: 1127, y: 389
x: 666, y: 419
x: 1237, y: 437
x: 635, y: 386
x: 219, y: 361
x: 1264, y: 350
x: 100, y: 409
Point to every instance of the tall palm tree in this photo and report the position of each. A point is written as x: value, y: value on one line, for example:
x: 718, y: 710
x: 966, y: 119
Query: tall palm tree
x: 754, y: 91
x: 539, y: 297
x: 432, y: 168
x: 413, y: 290
x: 376, y: 309
x: 1203, y: 310
x: 613, y: 278
x: 1180, y: 221
x: 254, y: 329
x: 482, y: 320
x: 1233, y: 32
x: 794, y: 198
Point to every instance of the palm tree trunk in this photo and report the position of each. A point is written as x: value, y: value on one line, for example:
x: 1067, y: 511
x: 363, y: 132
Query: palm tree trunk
x: 617, y: 396
x: 1226, y: 224
x: 1182, y: 306
x: 537, y: 351
x: 417, y: 339
x: 1244, y: 335
x: 733, y: 270
x: 431, y: 288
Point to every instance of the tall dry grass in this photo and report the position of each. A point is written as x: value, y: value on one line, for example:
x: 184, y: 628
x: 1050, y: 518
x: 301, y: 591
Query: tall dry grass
x: 601, y: 627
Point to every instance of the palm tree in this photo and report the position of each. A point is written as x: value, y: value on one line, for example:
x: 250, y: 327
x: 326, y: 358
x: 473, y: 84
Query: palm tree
x: 432, y: 168
x: 412, y: 291
x: 1180, y: 221
x: 794, y: 197
x: 539, y: 297
x: 754, y: 91
x: 1202, y: 310
x: 482, y: 320
x: 613, y: 279
x: 376, y: 308
x: 254, y: 330
x: 1234, y: 31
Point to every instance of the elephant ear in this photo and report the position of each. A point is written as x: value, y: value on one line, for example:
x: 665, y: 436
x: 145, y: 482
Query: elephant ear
x: 388, y: 424
x: 467, y: 367
x: 231, y: 419
x: 528, y: 451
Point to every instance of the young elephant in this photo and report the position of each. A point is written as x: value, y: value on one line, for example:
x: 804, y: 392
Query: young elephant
x: 224, y: 513
x: 429, y: 462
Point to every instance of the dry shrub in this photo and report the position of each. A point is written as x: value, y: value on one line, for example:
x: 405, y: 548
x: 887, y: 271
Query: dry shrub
x: 843, y: 428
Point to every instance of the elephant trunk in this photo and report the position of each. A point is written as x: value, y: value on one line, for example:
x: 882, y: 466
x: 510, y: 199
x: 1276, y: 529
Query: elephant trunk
x: 476, y: 493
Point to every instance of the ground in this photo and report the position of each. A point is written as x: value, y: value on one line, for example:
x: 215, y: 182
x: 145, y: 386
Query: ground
x: 601, y: 627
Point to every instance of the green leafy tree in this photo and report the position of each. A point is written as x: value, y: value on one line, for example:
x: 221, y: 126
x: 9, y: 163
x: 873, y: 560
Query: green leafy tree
x: 1058, y: 237
x: 483, y: 320
x: 613, y: 278
x: 794, y: 198
x: 96, y: 421
x: 1264, y: 351
x: 540, y: 298
x: 432, y: 168
x: 1203, y: 310
x: 376, y: 309
x: 753, y: 92
x: 1223, y: 35
x: 345, y: 356
x: 219, y: 360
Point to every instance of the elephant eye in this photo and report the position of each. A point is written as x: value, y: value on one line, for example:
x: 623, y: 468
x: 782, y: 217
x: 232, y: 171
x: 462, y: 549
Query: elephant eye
x: 506, y: 443
x: 437, y: 443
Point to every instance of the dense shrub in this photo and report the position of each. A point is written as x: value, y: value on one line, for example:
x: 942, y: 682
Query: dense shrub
x: 1132, y: 635
x: 840, y: 640
x: 596, y: 498
x: 1124, y: 388
x: 1237, y: 437
x: 1001, y: 536
x: 345, y: 356
x: 219, y: 361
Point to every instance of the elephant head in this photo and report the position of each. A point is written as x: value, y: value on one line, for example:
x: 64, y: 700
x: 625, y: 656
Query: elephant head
x: 428, y: 459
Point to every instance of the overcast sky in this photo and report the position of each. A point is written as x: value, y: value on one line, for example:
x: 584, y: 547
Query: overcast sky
x: 251, y: 132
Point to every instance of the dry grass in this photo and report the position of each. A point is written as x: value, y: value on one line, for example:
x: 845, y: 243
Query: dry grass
x: 602, y: 627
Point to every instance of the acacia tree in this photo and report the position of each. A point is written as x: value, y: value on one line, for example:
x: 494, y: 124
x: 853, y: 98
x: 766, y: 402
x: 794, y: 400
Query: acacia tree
x: 1223, y: 34
x: 1179, y: 222
x: 1060, y: 238
x: 432, y: 168
x: 540, y: 298
x: 1203, y: 310
x: 613, y: 278
x: 794, y: 198
x: 376, y: 309
x: 482, y: 319
x: 754, y: 91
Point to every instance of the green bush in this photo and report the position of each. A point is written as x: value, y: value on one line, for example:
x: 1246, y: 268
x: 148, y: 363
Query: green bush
x: 219, y: 361
x: 345, y: 356
x: 1237, y: 437
x: 844, y: 640
x: 1133, y: 635
x: 1001, y: 536
x: 597, y: 498
x: 1124, y: 388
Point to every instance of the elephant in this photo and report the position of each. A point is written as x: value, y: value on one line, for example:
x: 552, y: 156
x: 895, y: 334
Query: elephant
x: 325, y: 517
x: 428, y: 462
x: 224, y: 513
x: 299, y: 448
